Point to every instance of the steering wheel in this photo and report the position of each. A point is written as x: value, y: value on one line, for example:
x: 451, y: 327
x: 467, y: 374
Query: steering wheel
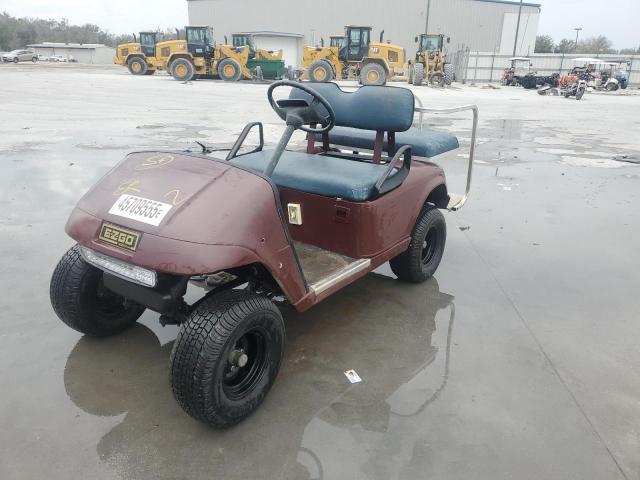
x: 299, y: 112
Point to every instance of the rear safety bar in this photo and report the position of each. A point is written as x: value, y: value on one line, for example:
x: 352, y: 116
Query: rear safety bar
x: 457, y: 203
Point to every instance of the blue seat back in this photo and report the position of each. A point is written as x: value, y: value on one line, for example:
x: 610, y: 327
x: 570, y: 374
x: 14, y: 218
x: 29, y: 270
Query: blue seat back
x: 388, y: 109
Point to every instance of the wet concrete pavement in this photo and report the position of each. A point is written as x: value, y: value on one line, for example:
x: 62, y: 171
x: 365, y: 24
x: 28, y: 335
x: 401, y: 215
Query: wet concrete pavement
x: 518, y: 360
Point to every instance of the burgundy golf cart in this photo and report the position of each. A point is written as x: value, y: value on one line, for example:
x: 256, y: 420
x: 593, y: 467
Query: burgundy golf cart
x: 258, y: 226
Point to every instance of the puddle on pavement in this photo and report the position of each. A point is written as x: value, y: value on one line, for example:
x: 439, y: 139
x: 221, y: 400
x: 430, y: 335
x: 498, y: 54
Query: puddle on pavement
x: 408, y: 332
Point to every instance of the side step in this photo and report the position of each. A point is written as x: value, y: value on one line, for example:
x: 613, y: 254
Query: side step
x: 341, y: 275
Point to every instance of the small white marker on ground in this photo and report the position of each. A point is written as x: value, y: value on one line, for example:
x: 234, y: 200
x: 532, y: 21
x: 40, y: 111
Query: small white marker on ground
x: 353, y: 376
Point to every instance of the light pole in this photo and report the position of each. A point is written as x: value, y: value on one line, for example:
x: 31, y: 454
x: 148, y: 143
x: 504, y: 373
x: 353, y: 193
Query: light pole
x: 426, y: 20
x: 577, y: 29
x: 515, y: 42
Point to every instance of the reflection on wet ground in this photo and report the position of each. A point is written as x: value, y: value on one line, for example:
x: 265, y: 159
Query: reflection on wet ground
x: 397, y: 338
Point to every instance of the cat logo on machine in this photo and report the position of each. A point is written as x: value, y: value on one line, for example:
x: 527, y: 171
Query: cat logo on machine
x: 119, y: 237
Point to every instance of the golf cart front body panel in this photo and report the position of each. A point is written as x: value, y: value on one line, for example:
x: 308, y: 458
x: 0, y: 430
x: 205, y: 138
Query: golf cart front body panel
x: 202, y: 198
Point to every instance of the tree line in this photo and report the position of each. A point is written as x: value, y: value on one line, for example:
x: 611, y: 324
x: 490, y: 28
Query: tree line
x: 17, y: 33
x: 593, y: 45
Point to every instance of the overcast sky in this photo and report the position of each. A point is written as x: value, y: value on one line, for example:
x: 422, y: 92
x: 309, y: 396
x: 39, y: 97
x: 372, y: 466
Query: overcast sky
x: 617, y: 19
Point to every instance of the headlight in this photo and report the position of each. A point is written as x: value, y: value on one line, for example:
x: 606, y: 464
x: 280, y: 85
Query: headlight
x: 121, y: 269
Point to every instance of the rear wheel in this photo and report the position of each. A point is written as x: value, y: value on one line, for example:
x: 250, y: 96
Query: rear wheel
x: 182, y: 70
x: 34, y: 59
x: 373, y: 74
x: 421, y: 259
x: 137, y: 66
x: 229, y: 70
x: 320, y: 71
x: 418, y: 74
x: 611, y: 87
x: 227, y: 356
x: 80, y: 299
x: 15, y: 60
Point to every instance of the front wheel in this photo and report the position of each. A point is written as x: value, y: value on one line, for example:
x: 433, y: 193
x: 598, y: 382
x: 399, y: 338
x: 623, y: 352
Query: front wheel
x: 420, y: 261
x: 226, y: 357
x: 418, y: 74
x: 580, y: 93
x: 229, y: 70
x: 373, y: 74
x: 80, y: 299
x: 320, y: 71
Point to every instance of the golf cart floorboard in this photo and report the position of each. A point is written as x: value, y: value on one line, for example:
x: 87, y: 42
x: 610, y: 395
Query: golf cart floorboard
x: 322, y: 269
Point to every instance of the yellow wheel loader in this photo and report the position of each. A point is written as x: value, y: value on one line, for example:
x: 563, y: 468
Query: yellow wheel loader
x: 430, y: 64
x: 139, y: 56
x: 198, y: 56
x: 355, y: 58
x: 336, y: 41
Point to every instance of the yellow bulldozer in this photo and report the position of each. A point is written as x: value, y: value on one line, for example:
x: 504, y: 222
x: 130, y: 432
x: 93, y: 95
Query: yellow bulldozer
x: 198, y: 55
x: 139, y: 56
x: 430, y: 63
x: 355, y: 58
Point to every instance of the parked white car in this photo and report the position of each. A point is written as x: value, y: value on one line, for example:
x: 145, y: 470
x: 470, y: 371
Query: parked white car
x: 20, y: 56
x: 57, y: 58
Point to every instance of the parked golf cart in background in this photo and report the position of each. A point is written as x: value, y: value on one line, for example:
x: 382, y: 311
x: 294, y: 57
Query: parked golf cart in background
x: 618, y: 70
x: 294, y: 226
x: 520, y: 68
x: 520, y: 73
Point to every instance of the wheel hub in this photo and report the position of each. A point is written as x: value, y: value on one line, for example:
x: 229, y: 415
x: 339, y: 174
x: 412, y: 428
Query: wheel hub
x: 237, y: 358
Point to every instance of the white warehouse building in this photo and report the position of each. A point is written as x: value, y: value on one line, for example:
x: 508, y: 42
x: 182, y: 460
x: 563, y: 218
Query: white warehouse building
x: 481, y: 25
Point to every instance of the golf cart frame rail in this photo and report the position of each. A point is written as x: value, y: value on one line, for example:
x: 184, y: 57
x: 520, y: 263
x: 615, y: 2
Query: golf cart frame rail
x: 472, y: 148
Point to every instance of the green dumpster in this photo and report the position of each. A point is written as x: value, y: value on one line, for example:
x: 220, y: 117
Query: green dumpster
x: 271, y: 69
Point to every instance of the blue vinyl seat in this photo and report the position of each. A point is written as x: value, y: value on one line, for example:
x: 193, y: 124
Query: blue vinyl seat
x: 319, y: 174
x: 424, y: 143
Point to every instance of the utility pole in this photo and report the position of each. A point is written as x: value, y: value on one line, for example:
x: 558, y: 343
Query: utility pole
x: 577, y: 29
x: 515, y: 42
x: 426, y: 20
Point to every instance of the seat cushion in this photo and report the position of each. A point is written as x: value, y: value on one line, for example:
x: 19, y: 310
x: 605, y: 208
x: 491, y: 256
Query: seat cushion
x: 371, y: 107
x: 424, y: 143
x: 319, y: 174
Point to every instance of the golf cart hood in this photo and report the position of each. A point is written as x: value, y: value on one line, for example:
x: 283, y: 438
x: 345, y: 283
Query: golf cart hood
x: 202, y: 214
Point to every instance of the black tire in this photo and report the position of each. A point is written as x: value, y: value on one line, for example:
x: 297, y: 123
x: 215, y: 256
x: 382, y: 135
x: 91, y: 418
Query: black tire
x: 182, y: 69
x: 612, y: 87
x: 137, y: 66
x: 373, y: 74
x: 418, y: 74
x: 436, y: 79
x: 410, y: 74
x: 34, y: 59
x: 544, y: 90
x: 420, y: 261
x: 229, y: 70
x: 580, y: 93
x: 203, y: 378
x: 623, y: 84
x: 320, y: 71
x: 449, y: 74
x: 80, y: 300
x: 15, y: 60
